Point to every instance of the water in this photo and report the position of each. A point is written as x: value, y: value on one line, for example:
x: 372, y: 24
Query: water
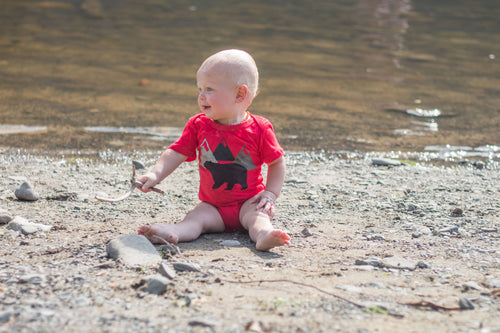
x: 365, y: 75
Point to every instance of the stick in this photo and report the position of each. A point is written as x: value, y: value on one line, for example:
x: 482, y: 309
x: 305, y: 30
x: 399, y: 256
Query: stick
x: 135, y: 184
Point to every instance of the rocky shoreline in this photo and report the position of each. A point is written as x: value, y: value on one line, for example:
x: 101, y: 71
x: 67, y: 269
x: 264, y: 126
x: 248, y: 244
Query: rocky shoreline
x: 375, y: 247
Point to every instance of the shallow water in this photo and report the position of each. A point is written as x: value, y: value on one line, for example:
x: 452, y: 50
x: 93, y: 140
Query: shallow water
x: 366, y: 75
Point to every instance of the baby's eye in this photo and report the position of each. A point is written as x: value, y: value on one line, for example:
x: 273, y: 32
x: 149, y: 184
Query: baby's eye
x: 209, y: 89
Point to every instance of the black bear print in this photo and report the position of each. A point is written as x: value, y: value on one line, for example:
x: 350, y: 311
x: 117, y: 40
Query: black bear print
x: 231, y: 174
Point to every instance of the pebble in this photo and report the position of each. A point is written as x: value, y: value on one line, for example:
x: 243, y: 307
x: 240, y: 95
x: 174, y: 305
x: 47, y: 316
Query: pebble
x: 32, y: 279
x: 165, y: 270
x: 26, y: 227
x: 133, y: 251
x: 230, y: 243
x: 183, y: 267
x: 423, y: 265
x: 471, y: 285
x: 492, y: 283
x: 306, y: 232
x: 157, y: 285
x: 5, y: 316
x: 385, y: 162
x: 5, y: 216
x: 465, y: 303
x: 138, y: 165
x: 398, y: 263
x: 374, y: 261
x: 349, y: 288
x: 26, y: 192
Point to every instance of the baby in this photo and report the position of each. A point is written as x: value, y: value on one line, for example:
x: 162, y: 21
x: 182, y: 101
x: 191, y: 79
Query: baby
x: 231, y: 145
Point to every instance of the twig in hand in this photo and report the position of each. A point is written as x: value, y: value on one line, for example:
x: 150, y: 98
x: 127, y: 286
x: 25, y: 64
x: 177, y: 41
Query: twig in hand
x: 135, y: 184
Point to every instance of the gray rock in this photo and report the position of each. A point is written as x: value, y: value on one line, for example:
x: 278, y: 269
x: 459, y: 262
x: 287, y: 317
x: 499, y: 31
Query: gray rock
x: 167, y: 271
x: 385, y: 162
x: 230, y: 243
x: 398, y: 263
x: 374, y: 261
x: 158, y: 285
x: 26, y: 192
x: 492, y: 283
x: 349, y: 288
x: 5, y: 216
x: 26, y: 227
x: 471, y: 285
x: 182, y: 267
x: 133, y: 251
x: 423, y: 265
x: 32, y: 279
x: 138, y: 165
x: 5, y: 316
x: 465, y: 304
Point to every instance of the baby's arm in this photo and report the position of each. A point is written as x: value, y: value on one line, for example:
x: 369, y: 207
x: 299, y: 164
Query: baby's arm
x: 275, y: 177
x: 167, y: 163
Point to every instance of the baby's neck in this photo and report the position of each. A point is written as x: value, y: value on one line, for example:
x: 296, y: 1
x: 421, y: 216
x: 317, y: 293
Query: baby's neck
x: 241, y: 118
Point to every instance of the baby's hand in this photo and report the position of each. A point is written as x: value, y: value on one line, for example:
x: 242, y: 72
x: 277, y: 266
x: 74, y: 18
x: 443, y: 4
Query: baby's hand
x: 149, y: 180
x: 266, y: 202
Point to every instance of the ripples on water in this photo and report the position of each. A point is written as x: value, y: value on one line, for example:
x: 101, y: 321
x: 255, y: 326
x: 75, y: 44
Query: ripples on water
x: 367, y: 75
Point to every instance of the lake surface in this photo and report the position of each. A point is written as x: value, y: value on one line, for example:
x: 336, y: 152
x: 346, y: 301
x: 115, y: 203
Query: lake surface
x: 365, y: 75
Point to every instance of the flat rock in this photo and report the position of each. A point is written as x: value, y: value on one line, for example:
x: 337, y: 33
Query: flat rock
x: 26, y: 192
x: 398, y: 263
x: 230, y: 243
x: 157, y: 285
x: 5, y: 216
x: 385, y: 162
x: 165, y: 270
x: 26, y: 227
x: 133, y: 251
x: 186, y: 267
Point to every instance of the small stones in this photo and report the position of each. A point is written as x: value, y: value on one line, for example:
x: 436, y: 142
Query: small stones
x: 26, y: 192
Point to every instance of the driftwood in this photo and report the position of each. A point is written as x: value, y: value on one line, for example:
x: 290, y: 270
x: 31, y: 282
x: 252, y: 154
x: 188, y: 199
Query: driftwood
x: 135, y: 184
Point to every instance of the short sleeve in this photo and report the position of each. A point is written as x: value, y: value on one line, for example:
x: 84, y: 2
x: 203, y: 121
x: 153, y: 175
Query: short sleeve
x: 271, y: 149
x: 188, y: 142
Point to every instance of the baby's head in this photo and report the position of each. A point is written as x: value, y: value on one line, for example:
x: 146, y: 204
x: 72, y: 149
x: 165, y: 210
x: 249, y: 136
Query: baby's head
x: 236, y: 66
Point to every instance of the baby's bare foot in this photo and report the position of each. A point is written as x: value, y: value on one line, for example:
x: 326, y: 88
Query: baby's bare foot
x: 272, y: 239
x: 158, y: 233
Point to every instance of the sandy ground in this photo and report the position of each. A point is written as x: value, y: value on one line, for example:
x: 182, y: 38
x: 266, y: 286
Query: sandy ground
x: 430, y: 233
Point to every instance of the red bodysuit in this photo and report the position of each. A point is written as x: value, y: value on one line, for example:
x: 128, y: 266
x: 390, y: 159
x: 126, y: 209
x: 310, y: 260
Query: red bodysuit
x: 230, y: 159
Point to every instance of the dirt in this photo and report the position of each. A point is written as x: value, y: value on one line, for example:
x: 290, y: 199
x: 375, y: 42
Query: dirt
x: 442, y: 223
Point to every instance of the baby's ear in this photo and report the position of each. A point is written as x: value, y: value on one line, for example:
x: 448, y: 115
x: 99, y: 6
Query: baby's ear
x: 241, y: 93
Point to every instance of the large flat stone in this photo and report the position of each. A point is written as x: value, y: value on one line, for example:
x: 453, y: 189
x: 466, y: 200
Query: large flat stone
x: 133, y: 251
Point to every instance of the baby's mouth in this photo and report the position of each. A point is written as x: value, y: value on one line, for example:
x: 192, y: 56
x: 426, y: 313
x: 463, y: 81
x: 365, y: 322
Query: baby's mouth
x: 206, y: 107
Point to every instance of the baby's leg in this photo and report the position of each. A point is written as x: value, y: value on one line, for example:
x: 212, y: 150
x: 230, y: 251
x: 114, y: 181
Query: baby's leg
x: 260, y: 229
x: 203, y: 218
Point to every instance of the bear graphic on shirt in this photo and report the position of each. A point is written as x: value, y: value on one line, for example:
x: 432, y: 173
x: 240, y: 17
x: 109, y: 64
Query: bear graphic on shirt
x: 224, y: 167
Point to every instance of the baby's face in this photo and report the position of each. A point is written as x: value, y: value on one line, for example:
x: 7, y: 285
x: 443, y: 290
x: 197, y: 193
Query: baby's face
x: 217, y: 96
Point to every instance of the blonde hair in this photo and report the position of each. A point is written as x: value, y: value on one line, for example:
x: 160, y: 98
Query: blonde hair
x: 237, y: 65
